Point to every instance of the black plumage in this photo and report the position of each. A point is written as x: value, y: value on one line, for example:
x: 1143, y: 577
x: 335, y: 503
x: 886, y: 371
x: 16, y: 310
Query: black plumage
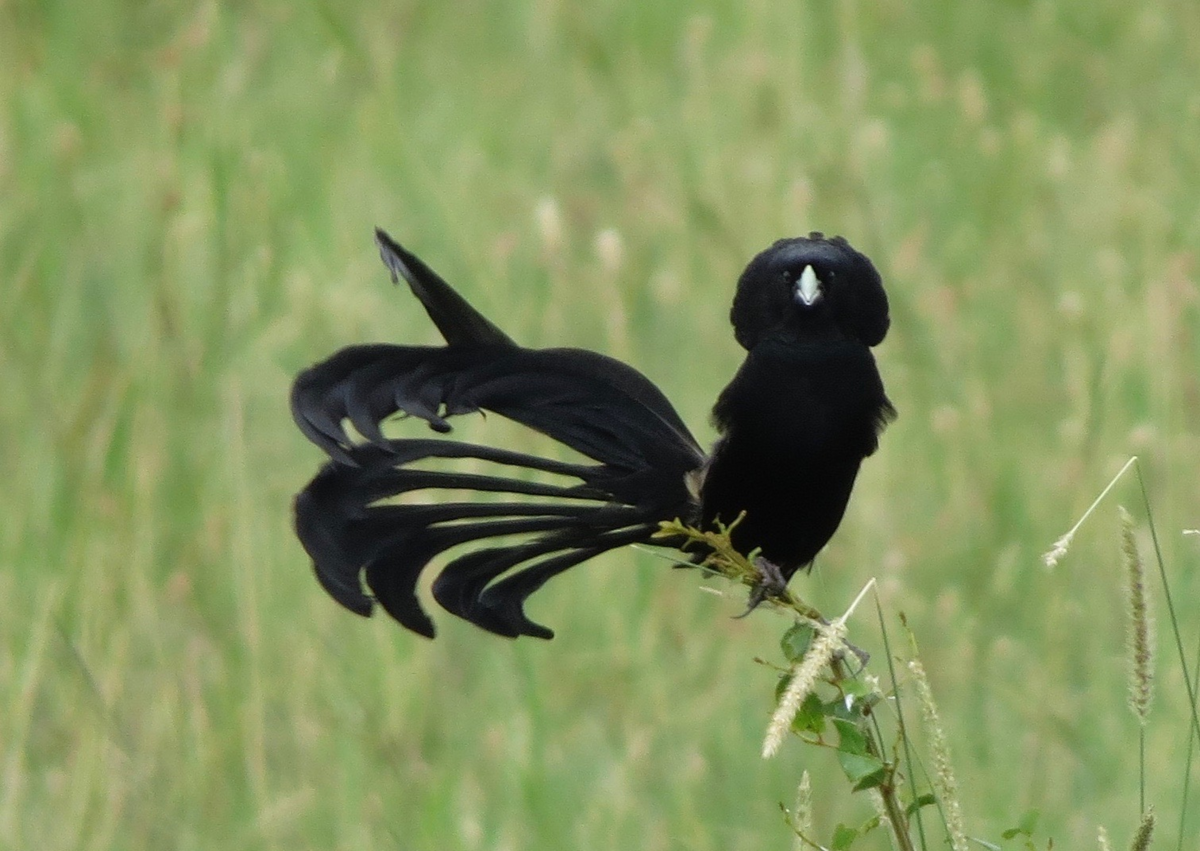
x: 803, y: 411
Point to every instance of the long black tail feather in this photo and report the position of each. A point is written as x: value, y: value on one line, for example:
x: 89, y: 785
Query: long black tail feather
x: 459, y: 323
x: 600, y: 407
x: 350, y: 531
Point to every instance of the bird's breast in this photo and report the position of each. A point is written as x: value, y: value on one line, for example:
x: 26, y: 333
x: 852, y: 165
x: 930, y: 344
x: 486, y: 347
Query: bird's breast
x: 795, y: 427
x: 802, y: 401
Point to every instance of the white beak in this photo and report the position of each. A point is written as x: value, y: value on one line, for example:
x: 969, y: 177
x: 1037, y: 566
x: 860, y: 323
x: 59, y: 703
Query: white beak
x: 808, y: 288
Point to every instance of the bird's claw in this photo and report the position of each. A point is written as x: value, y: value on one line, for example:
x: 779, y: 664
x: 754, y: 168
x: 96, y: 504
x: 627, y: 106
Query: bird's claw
x: 771, y: 583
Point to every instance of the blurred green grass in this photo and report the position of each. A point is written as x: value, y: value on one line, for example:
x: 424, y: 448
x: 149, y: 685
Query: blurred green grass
x: 188, y: 196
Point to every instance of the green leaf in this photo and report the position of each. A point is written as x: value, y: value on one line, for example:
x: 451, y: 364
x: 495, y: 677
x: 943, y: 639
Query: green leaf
x: 864, y: 695
x: 796, y: 641
x: 865, y: 772
x: 858, y: 695
x: 781, y: 686
x: 851, y: 739
x: 811, y: 717
x: 925, y: 800
x: 864, y: 769
x: 855, y: 688
x: 839, y: 709
x: 872, y: 781
x: 843, y: 837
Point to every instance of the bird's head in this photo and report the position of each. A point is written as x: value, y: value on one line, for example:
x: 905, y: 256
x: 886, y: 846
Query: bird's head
x: 809, y: 282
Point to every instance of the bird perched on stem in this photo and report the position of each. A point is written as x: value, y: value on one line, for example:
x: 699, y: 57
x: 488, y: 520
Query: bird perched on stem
x: 802, y: 412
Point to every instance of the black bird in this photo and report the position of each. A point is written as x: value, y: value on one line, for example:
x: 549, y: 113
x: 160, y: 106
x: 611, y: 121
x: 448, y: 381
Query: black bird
x: 804, y: 409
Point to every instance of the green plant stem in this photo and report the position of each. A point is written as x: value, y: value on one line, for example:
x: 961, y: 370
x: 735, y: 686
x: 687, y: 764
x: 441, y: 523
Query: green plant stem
x: 891, y: 805
x: 726, y: 561
x: 1142, y: 769
x: 908, y: 755
x: 1162, y: 570
x: 887, y: 791
x: 1187, y: 766
x: 1194, y: 727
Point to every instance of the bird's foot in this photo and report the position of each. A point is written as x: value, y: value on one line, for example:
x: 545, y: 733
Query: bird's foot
x: 771, y: 583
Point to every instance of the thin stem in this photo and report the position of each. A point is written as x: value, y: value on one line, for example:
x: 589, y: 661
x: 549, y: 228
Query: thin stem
x: 1188, y: 680
x: 723, y: 559
x: 1142, y: 769
x: 1187, y: 765
x: 1162, y: 570
x: 908, y: 755
x: 887, y: 791
x: 1062, y: 544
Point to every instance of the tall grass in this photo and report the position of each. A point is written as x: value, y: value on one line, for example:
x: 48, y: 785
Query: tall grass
x: 188, y: 195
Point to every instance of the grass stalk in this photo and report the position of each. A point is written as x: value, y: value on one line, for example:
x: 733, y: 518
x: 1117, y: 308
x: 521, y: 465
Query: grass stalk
x: 1139, y: 643
x: 1188, y: 680
x: 909, y: 766
x: 1186, y: 784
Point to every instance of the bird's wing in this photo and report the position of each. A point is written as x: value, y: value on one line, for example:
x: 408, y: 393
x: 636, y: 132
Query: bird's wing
x: 600, y: 407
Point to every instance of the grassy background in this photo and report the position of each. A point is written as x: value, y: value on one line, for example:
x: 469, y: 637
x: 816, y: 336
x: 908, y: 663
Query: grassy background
x: 188, y: 195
